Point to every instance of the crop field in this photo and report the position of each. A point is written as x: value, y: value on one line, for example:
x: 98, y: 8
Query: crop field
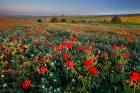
x: 88, y: 55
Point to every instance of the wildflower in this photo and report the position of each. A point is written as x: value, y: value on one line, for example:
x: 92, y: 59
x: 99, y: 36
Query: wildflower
x: 93, y: 70
x: 46, y: 41
x: 96, y: 56
x: 62, y: 43
x: 15, y: 38
x: 73, y: 38
x: 36, y: 42
x: 113, y: 55
x: 86, y: 47
x: 87, y: 51
x: 43, y: 69
x: 135, y: 76
x: 104, y: 55
x: 51, y: 45
x: 17, y: 84
x: 88, y: 62
x: 79, y: 48
x: 121, y: 46
x: 115, y: 47
x: 59, y: 48
x: 69, y: 63
x: 90, y: 43
x: 95, y: 40
x: 22, y: 48
x: 0, y: 45
x: 65, y: 56
x: 69, y: 46
x: 26, y: 84
x: 42, y: 59
x: 126, y: 54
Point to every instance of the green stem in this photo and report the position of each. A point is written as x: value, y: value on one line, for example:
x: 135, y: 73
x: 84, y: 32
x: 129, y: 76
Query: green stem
x: 134, y: 90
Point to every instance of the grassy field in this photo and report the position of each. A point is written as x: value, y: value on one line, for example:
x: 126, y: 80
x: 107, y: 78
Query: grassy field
x: 90, y: 56
x: 130, y: 24
x: 126, y: 18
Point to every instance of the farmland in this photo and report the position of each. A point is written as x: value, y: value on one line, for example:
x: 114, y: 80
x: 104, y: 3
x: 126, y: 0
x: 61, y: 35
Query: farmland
x: 89, y: 55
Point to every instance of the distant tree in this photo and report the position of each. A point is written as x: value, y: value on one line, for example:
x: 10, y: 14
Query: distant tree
x: 63, y: 15
x: 54, y: 20
x: 105, y: 20
x: 73, y: 21
x: 63, y: 20
x: 39, y: 20
x: 82, y: 20
x: 116, y: 20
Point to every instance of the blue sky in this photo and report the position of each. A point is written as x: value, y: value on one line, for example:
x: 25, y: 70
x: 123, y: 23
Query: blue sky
x: 68, y: 7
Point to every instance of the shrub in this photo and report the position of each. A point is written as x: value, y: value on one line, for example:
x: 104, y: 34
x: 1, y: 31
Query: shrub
x: 73, y: 21
x: 105, y: 20
x: 116, y: 20
x: 39, y: 20
x: 63, y: 20
x: 54, y: 20
x: 82, y: 20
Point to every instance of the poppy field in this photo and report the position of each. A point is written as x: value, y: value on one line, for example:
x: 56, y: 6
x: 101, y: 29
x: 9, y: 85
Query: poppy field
x: 37, y: 59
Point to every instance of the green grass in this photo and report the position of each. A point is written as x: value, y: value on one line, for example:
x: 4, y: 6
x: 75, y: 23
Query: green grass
x: 121, y: 25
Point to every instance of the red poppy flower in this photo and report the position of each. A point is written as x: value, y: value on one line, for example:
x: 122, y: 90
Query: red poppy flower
x: 121, y: 46
x: 88, y: 62
x: 69, y: 45
x: 51, y: 45
x: 46, y: 41
x: 97, y: 56
x: 15, y: 38
x: 43, y: 69
x: 79, y: 48
x: 17, y: 84
x: 26, y: 84
x: 90, y: 43
x: 104, y: 55
x: 126, y: 54
x: 36, y: 42
x: 93, y: 70
x: 62, y: 43
x: 42, y: 59
x: 87, y: 51
x: 115, y: 47
x: 86, y: 47
x: 95, y: 40
x: 69, y: 63
x: 113, y: 55
x: 59, y: 48
x: 0, y: 45
x: 22, y: 48
x: 135, y: 76
x: 65, y: 56
x: 73, y: 38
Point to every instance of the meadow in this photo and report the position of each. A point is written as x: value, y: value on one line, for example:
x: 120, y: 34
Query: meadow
x: 87, y: 55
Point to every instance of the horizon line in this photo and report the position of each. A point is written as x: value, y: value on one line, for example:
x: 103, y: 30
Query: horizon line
x: 72, y: 14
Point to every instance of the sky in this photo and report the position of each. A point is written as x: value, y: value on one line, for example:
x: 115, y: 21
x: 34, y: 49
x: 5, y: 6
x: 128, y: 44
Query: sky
x: 68, y: 7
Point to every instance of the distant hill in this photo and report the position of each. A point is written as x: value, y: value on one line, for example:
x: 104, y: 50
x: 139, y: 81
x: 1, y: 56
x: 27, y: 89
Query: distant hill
x: 3, y: 15
x: 136, y: 14
x: 120, y: 15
